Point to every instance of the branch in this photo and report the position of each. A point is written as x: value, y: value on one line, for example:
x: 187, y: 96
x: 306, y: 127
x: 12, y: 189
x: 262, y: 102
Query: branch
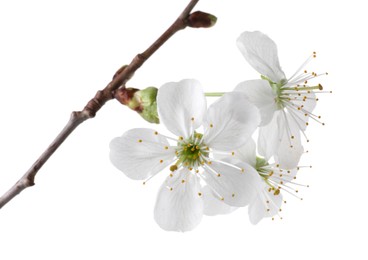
x: 95, y: 104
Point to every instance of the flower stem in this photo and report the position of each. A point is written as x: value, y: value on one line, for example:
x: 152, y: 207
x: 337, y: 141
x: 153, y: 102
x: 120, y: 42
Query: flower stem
x: 95, y: 104
x: 214, y: 94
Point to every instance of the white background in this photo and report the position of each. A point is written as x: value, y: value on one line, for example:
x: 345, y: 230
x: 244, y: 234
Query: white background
x: 54, y: 56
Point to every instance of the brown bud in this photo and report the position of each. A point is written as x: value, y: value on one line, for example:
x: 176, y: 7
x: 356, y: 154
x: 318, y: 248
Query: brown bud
x: 142, y: 101
x: 125, y: 95
x: 201, y: 20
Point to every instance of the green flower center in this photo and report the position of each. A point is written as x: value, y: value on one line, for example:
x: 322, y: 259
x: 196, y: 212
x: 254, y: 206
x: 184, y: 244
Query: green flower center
x: 285, y: 93
x: 192, y: 152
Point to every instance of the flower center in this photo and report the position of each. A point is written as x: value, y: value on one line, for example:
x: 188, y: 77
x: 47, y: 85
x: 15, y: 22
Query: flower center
x: 192, y: 152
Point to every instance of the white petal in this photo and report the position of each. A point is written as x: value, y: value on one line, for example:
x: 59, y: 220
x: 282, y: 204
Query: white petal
x: 259, y: 208
x: 179, y: 205
x: 213, y: 205
x: 261, y: 53
x: 230, y: 122
x: 260, y: 93
x: 141, y: 153
x: 270, y: 136
x: 300, y: 117
x: 231, y: 184
x: 181, y: 106
x: 247, y: 153
x: 288, y: 156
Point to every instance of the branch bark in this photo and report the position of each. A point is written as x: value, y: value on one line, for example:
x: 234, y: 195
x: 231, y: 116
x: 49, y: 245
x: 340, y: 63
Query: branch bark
x: 96, y: 103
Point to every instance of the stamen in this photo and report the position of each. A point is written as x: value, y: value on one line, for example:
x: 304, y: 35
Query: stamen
x: 303, y: 65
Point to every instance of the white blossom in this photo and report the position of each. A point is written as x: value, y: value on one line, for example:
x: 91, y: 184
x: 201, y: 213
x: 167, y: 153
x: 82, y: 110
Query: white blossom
x: 227, y: 125
x: 285, y: 105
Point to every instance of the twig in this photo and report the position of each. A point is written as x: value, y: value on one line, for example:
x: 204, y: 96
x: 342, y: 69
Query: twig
x: 95, y: 104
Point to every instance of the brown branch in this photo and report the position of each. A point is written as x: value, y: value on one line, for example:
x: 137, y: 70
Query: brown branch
x: 95, y: 104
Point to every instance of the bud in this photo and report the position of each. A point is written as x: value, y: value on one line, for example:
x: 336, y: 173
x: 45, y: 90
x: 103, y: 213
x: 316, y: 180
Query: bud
x: 142, y: 101
x: 201, y: 20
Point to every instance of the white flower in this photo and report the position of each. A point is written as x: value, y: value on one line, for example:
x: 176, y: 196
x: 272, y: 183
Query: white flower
x: 285, y: 104
x: 227, y: 125
x: 269, y: 181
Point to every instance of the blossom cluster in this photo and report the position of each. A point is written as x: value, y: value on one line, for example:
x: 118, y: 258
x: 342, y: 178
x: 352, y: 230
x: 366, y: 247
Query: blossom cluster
x: 213, y: 164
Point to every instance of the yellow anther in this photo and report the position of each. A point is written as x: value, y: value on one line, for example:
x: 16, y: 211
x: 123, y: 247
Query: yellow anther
x: 166, y: 147
x: 171, y: 175
x: 232, y: 153
x: 277, y: 192
x: 173, y: 168
x: 233, y: 195
x: 211, y: 125
x: 171, y: 189
x: 161, y: 161
x: 156, y: 133
x: 182, y: 181
x: 218, y: 175
x: 192, y: 118
x: 181, y: 138
x: 199, y: 194
x: 140, y: 140
x: 270, y: 174
x: 222, y: 198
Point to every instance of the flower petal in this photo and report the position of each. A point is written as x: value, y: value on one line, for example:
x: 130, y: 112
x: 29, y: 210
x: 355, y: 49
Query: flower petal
x: 234, y: 185
x: 288, y: 156
x: 265, y: 204
x: 141, y: 153
x: 179, y: 205
x: 300, y: 110
x: 270, y: 136
x: 181, y: 106
x: 247, y: 153
x: 261, y: 53
x: 213, y: 205
x: 230, y: 122
x: 260, y: 93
